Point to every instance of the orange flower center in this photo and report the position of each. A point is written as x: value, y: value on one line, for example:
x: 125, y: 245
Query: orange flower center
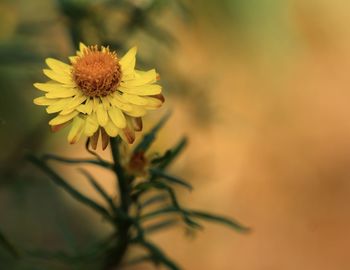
x: 97, y: 73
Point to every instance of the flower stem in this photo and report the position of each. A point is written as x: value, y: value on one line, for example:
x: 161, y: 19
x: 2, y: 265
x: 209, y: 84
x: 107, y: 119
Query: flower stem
x: 123, y: 224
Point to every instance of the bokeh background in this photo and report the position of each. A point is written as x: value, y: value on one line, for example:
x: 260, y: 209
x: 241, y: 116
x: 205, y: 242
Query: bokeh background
x: 260, y: 87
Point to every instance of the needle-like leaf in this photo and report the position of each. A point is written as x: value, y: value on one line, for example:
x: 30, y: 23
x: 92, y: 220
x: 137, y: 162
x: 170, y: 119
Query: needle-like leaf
x: 5, y: 243
x: 149, y: 138
x: 170, y: 178
x: 58, y: 180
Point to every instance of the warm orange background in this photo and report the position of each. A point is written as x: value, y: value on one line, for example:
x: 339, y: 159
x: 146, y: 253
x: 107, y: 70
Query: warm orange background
x: 269, y: 133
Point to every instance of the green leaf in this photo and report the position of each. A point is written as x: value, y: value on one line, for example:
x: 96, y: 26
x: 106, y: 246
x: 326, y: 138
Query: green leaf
x: 154, y: 199
x: 161, y: 225
x: 102, y: 192
x: 186, y: 218
x: 166, y: 210
x: 173, y: 179
x: 158, y: 256
x: 162, y: 186
x: 170, y: 155
x: 5, y: 243
x: 138, y: 260
x: 149, y: 138
x: 160, y: 159
x: 219, y: 219
x: 58, y: 180
x: 76, y: 161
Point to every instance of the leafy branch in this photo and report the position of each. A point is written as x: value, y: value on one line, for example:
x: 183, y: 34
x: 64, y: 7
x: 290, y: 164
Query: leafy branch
x: 155, y: 188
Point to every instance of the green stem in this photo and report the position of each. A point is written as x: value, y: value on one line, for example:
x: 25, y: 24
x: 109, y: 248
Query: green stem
x: 116, y: 254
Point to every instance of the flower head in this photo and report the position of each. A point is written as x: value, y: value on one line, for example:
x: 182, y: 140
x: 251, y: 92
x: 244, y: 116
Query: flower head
x: 99, y: 94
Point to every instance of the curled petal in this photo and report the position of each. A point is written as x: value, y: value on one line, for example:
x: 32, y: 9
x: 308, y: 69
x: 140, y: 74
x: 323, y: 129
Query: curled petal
x: 105, y: 139
x: 159, y: 96
x: 137, y: 123
x: 58, y: 127
x: 128, y: 135
x: 76, y: 130
x: 94, y: 139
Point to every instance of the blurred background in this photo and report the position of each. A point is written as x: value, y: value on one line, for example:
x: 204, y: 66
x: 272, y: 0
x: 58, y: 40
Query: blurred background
x: 260, y: 87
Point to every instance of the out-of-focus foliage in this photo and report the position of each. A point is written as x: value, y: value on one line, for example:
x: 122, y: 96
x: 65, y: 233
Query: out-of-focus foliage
x: 30, y: 31
x: 147, y: 203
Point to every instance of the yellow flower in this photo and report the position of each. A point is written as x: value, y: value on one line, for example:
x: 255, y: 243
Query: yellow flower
x: 98, y: 93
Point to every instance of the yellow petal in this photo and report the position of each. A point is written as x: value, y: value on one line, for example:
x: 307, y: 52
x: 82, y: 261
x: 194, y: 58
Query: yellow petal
x: 81, y: 108
x: 141, y: 79
x: 137, y: 111
x: 59, y: 105
x: 91, y: 125
x: 102, y: 116
x: 51, y: 86
x: 58, y: 77
x: 145, y: 90
x: 42, y: 86
x: 117, y: 117
x: 66, y: 111
x: 115, y: 100
x: 76, y: 130
x: 105, y: 103
x: 128, y: 76
x: 60, y: 119
x: 88, y: 106
x: 82, y: 47
x: 95, y: 104
x: 85, y: 108
x: 111, y: 129
x: 58, y: 66
x: 76, y: 101
x: 62, y: 92
x: 43, y: 101
x: 153, y: 102
x: 134, y: 99
x: 73, y: 59
x: 127, y: 62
